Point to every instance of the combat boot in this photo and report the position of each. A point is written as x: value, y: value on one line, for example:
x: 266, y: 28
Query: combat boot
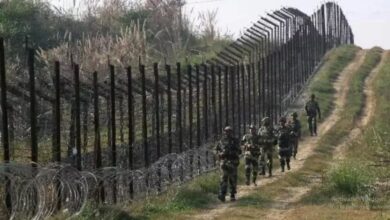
x: 288, y: 165
x: 221, y: 197
x: 269, y: 172
x: 232, y: 198
x: 263, y: 171
x: 254, y: 180
x: 247, y: 182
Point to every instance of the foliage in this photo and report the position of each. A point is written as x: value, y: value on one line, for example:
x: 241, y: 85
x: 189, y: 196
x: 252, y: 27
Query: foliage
x: 166, y: 32
x: 350, y: 179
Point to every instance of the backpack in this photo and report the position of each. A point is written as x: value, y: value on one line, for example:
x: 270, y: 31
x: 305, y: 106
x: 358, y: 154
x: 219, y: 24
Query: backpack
x: 311, y: 107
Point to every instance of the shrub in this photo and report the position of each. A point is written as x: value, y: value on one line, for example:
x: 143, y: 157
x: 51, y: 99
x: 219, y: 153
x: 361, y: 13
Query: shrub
x: 350, y: 179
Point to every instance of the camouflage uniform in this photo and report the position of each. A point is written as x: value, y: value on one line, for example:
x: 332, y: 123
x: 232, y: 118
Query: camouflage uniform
x: 284, y: 142
x: 228, y: 151
x: 295, y: 125
x: 312, y: 108
x: 251, y: 155
x: 267, y: 143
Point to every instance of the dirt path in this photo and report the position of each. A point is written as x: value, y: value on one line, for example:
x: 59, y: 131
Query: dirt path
x: 306, y: 149
x: 368, y: 110
x: 340, y: 150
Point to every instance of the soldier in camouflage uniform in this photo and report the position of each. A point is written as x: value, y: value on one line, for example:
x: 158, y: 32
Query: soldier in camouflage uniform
x: 251, y: 148
x: 284, y: 134
x: 267, y: 143
x: 312, y: 108
x: 228, y: 152
x: 295, y: 125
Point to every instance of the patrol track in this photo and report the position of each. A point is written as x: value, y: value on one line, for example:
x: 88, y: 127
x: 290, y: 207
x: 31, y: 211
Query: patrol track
x: 306, y: 149
x: 368, y: 110
x: 340, y: 150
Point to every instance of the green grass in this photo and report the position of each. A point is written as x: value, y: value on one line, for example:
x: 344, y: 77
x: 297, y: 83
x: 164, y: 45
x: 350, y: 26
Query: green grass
x: 322, y: 84
x: 201, y: 192
x: 318, y: 163
x: 350, y: 179
x: 353, y: 177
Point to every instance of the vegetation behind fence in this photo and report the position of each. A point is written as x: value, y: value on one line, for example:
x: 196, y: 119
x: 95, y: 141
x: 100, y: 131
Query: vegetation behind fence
x: 122, y: 132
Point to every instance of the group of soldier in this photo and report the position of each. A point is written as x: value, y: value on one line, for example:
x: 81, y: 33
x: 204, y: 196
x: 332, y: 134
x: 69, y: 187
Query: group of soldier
x: 258, y: 148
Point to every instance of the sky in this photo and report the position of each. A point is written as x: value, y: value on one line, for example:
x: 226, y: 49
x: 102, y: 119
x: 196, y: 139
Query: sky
x: 370, y: 20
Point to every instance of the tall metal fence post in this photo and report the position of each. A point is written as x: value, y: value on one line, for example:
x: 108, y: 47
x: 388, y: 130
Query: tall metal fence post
x: 57, y: 128
x: 57, y: 114
x: 226, y: 95
x: 169, y: 110
x: 248, y: 92
x: 220, y: 110
x: 190, y: 117
x: 77, y: 114
x: 131, y: 126
x: 144, y: 117
x: 214, y: 101
x: 205, y: 103
x: 97, y: 142
x: 198, y: 119
x: 4, y: 128
x: 241, y: 129
x: 33, y: 111
x: 206, y: 109
x: 179, y: 128
x: 157, y: 109
x: 157, y: 120
x: 244, y: 103
x: 113, y: 129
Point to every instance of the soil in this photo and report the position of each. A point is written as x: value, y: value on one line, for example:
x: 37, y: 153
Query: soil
x: 282, y: 203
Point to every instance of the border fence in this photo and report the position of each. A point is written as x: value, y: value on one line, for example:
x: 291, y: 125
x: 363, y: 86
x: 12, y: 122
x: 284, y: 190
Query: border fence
x: 134, y: 131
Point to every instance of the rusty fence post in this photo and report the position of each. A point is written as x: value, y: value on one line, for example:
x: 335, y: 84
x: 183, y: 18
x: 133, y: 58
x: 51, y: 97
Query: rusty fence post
x: 131, y: 126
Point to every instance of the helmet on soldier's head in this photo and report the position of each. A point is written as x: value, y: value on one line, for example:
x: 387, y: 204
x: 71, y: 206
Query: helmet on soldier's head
x: 313, y: 96
x: 294, y: 114
x: 283, y: 120
x: 266, y: 121
x: 251, y: 127
x: 228, y: 129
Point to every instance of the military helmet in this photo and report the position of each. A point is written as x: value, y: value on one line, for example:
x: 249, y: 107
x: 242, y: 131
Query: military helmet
x: 283, y: 120
x: 228, y: 128
x: 294, y: 114
x: 252, y: 126
x: 313, y: 96
x: 266, y: 121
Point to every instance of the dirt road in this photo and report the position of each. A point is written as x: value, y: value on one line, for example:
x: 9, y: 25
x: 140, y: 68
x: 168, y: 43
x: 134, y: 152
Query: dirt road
x: 339, y: 153
x: 306, y: 150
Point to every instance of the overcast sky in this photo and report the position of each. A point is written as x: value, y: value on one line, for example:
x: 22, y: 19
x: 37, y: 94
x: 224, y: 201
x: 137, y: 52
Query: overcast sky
x: 370, y: 19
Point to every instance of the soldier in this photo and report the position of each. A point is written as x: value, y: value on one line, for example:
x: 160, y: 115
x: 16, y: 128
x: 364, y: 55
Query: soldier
x: 312, y: 108
x: 284, y: 143
x: 251, y: 148
x: 295, y: 125
x: 228, y: 152
x: 267, y: 143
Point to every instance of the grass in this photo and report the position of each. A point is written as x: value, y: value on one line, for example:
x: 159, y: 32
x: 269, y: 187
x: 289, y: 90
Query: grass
x: 322, y: 83
x: 205, y: 186
x: 342, y: 177
x: 350, y: 179
x: 201, y: 193
x: 318, y: 163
